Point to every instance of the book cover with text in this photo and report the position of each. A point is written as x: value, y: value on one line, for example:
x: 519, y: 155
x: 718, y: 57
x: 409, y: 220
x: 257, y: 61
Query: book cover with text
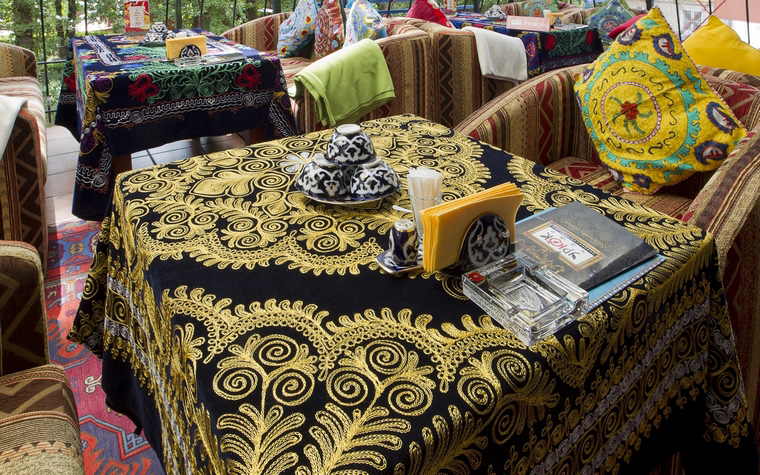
x: 580, y: 244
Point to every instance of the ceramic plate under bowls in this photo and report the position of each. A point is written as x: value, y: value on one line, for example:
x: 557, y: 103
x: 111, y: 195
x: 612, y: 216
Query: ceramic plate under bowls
x: 347, y: 201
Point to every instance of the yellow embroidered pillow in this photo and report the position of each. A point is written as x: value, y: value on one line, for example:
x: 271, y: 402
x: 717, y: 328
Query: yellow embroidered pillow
x: 716, y: 45
x: 653, y: 118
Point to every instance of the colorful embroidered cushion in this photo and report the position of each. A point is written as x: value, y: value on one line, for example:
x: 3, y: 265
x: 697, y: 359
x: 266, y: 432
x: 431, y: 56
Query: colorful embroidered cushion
x: 619, y: 29
x: 298, y: 29
x: 363, y: 21
x: 329, y: 35
x: 611, y: 15
x: 716, y: 45
x: 536, y: 8
x: 430, y: 11
x: 653, y: 118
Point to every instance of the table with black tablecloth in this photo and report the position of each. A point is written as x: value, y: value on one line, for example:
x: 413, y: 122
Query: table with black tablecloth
x: 248, y: 329
x: 119, y: 96
x: 546, y: 50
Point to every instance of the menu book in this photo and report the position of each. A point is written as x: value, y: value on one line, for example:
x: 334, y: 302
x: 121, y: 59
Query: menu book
x: 581, y: 245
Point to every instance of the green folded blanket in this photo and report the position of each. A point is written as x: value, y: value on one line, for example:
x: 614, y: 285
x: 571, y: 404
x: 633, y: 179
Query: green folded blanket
x: 348, y: 83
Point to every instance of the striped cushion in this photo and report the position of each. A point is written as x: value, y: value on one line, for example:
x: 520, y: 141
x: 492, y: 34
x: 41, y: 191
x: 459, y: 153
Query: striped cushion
x: 292, y: 65
x: 735, y: 76
x: 17, y: 61
x: 22, y: 182
x: 39, y: 428
x: 742, y: 98
x: 29, y: 88
x: 23, y: 340
x: 672, y: 204
x: 260, y: 33
x: 460, y: 89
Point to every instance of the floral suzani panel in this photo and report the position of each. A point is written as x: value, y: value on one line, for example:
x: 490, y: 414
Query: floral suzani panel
x: 119, y: 97
x: 611, y: 15
x: 249, y: 329
x: 297, y: 31
x: 364, y: 21
x: 652, y: 117
x: 330, y: 31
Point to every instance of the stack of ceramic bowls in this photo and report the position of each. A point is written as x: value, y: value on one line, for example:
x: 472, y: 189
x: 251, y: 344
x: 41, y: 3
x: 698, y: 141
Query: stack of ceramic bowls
x: 349, y: 171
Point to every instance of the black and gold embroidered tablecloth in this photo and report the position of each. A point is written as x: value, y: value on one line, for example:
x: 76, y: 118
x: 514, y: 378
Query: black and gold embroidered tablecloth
x: 119, y: 96
x: 248, y: 329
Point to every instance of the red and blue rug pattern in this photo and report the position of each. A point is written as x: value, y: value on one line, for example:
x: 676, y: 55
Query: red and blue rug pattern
x: 108, y: 439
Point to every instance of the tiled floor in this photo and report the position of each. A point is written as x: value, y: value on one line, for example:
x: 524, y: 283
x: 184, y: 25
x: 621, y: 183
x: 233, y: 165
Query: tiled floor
x: 63, y: 151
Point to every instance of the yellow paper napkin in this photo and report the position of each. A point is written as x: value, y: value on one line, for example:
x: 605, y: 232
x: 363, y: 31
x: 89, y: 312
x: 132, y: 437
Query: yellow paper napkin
x: 447, y: 223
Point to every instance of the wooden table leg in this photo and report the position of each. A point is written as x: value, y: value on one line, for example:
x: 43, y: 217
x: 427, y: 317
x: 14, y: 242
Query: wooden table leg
x: 256, y: 135
x: 121, y: 163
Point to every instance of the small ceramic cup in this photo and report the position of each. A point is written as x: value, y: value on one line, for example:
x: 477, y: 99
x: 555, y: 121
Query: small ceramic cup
x: 349, y: 145
x: 372, y: 180
x: 403, y: 243
x: 322, y: 179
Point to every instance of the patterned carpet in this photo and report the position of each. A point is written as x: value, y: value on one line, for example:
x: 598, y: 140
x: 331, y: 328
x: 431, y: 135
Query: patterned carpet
x: 108, y: 439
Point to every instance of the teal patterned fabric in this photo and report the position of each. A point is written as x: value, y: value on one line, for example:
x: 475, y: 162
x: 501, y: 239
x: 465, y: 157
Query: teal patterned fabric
x: 535, y: 8
x: 298, y: 30
x: 363, y: 21
x: 612, y: 14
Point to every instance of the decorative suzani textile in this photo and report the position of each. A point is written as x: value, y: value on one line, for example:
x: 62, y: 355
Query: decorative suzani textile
x: 119, y: 97
x: 653, y: 118
x: 329, y: 34
x: 535, y: 8
x: 298, y: 29
x: 428, y: 10
x: 545, y: 50
x: 252, y: 325
x: 611, y: 15
x: 363, y: 21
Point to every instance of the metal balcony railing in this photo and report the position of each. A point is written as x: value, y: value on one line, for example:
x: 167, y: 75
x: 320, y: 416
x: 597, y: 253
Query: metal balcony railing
x: 684, y: 15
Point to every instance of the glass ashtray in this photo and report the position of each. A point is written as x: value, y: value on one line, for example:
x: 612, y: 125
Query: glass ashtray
x: 529, y: 300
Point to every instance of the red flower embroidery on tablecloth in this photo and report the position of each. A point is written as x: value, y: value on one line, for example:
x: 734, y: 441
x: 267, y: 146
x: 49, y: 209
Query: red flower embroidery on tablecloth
x: 142, y: 88
x: 551, y: 42
x: 250, y: 78
x: 70, y: 82
x: 589, y: 37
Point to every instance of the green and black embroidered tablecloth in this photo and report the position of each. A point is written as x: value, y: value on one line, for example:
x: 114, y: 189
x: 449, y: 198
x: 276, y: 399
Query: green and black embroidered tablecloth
x: 248, y: 329
x: 546, y: 50
x: 119, y: 96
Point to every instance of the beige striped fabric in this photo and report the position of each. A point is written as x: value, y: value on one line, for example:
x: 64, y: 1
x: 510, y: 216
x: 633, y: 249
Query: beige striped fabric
x: 260, y: 33
x: 39, y: 426
x: 22, y: 186
x: 29, y: 88
x: 459, y: 88
x: 17, y: 61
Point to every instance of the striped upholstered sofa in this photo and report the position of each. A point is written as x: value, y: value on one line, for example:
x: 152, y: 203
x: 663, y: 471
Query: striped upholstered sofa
x: 458, y: 87
x: 541, y: 120
x: 39, y: 427
x: 406, y: 50
x: 24, y: 160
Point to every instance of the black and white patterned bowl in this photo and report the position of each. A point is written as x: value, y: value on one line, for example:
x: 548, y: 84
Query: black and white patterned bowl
x: 322, y: 179
x: 373, y: 180
x: 349, y: 145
